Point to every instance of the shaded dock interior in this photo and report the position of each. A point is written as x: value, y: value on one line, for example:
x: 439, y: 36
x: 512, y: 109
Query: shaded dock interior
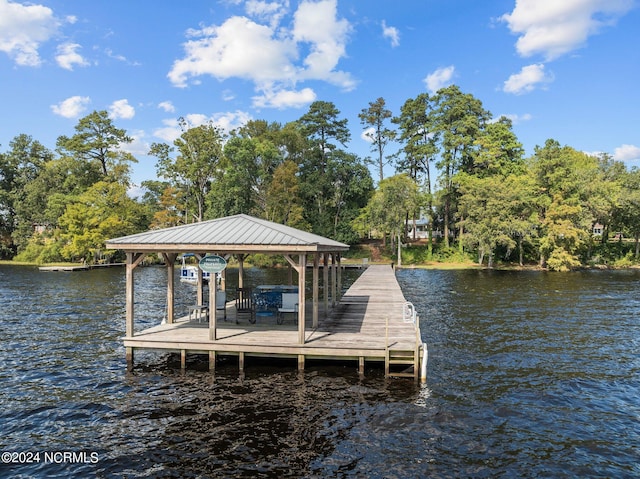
x: 372, y: 322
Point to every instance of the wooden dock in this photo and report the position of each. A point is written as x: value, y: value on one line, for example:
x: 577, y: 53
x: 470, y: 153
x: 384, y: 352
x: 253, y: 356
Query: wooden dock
x: 85, y: 267
x: 369, y: 324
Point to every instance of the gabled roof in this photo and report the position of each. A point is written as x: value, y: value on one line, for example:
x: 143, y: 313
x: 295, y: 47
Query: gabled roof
x: 233, y: 234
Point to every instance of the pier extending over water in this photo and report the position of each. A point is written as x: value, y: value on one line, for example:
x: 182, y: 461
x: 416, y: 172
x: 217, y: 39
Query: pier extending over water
x: 372, y: 322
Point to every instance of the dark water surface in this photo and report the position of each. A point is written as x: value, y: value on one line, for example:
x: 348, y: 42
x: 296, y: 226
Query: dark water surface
x: 530, y: 375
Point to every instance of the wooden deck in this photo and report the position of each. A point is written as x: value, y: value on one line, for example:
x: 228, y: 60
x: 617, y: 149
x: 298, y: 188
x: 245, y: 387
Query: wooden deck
x: 356, y: 329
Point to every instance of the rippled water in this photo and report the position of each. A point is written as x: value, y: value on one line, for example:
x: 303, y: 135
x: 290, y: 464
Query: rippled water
x: 530, y: 375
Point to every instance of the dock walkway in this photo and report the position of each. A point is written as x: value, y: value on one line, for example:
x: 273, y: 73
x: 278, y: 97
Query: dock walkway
x: 366, y: 325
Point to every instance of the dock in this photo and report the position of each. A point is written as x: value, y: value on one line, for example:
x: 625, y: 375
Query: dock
x: 371, y: 323
x: 85, y: 267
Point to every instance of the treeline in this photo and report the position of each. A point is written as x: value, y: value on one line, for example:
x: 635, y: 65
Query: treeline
x: 457, y: 166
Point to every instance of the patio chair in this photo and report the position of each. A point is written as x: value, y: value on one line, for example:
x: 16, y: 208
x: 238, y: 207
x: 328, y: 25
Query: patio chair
x: 289, y: 305
x: 221, y: 302
x: 266, y: 304
x: 244, y: 304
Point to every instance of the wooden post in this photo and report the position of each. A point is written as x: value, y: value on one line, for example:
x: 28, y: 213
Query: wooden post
x: 133, y: 260
x: 212, y: 308
x: 339, y: 278
x: 241, y: 361
x: 183, y: 359
x: 334, y: 280
x: 300, y: 362
x: 170, y: 259
x: 129, y: 295
x: 325, y: 282
x: 199, y: 283
x: 361, y: 365
x: 316, y: 274
x: 240, y: 270
x: 129, y: 358
x: 302, y: 260
x: 212, y: 361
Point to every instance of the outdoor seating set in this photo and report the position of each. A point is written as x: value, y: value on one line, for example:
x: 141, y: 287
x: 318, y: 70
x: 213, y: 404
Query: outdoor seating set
x: 263, y: 302
x: 267, y: 301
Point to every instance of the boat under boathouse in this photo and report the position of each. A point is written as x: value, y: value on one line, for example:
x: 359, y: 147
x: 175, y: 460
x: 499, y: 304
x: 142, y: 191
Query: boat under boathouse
x: 371, y: 323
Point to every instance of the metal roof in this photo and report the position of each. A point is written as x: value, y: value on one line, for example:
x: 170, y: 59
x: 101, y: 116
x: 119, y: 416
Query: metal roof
x: 239, y: 233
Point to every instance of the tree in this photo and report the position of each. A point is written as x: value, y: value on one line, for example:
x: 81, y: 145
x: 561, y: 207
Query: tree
x: 321, y: 126
x: 419, y: 137
x: 322, y: 130
x: 19, y: 167
x: 374, y: 118
x: 497, y: 212
x: 199, y: 154
x: 103, y: 211
x: 386, y: 210
x: 563, y: 177
x: 97, y: 139
x: 499, y: 151
x: 283, y: 203
x: 627, y: 213
x: 459, y: 120
x: 242, y: 185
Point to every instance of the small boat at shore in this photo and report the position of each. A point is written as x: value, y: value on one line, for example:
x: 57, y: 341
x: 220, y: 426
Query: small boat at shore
x: 189, y: 272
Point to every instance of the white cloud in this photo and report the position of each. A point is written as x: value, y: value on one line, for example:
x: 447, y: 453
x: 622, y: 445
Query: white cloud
x: 555, y: 27
x: 139, y: 146
x: 121, y: 109
x: 316, y: 23
x: 23, y: 28
x: 230, y: 50
x: 627, y: 153
x: 167, y: 106
x: 439, y: 78
x: 272, y: 56
x: 285, y: 99
x: 529, y: 78
x: 515, y: 118
x: 72, y: 107
x: 68, y: 56
x: 226, y: 121
x: 368, y: 135
x: 271, y: 12
x: 391, y: 33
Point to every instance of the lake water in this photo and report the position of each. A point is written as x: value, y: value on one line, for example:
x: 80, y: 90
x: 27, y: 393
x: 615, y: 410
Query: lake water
x: 530, y: 374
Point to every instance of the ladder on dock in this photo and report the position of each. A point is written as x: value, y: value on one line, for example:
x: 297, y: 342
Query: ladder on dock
x: 404, y: 360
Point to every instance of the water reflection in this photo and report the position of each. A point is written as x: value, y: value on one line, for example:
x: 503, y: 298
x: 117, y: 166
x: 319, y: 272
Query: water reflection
x: 530, y: 375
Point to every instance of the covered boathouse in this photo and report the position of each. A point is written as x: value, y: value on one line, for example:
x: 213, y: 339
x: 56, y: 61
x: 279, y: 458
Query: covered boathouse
x: 375, y: 323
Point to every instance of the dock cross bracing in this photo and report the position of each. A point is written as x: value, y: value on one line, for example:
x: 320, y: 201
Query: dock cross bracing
x: 367, y: 324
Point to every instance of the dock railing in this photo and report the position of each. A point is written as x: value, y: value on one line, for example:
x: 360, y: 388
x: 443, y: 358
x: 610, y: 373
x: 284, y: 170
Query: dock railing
x: 420, y: 353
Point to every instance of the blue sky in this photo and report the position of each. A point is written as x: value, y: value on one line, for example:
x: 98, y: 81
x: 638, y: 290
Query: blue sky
x: 567, y: 70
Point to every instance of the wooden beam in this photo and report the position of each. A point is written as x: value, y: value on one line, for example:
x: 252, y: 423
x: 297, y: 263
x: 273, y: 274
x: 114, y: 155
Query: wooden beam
x: 316, y: 274
x: 339, y: 278
x: 240, y: 270
x: 334, y: 280
x: 133, y: 260
x: 170, y: 260
x: 213, y: 327
x: 300, y: 362
x: 129, y: 358
x: 212, y: 361
x: 302, y: 260
x: 325, y: 282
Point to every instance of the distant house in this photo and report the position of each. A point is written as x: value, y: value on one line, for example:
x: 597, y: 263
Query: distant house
x: 597, y: 229
x: 422, y: 229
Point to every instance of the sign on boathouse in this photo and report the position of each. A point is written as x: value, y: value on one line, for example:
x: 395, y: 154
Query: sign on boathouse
x: 212, y: 264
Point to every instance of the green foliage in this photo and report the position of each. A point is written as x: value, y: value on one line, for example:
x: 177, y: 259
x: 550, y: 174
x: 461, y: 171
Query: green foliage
x: 374, y: 118
x: 490, y: 200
